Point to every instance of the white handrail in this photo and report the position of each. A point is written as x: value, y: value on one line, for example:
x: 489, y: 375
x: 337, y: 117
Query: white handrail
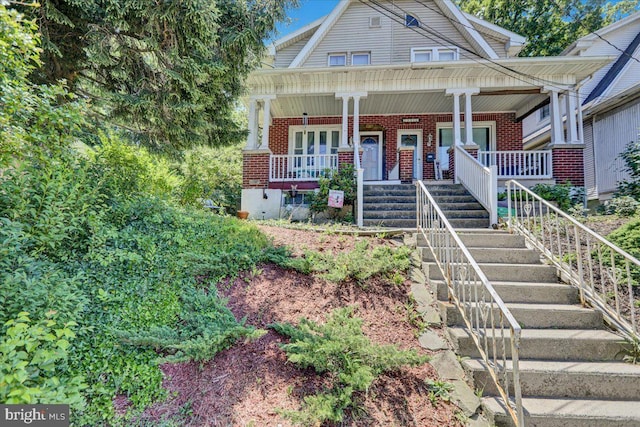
x: 480, y: 181
x: 606, y: 275
x: 519, y: 164
x: 490, y: 323
x: 359, y: 184
x: 300, y: 167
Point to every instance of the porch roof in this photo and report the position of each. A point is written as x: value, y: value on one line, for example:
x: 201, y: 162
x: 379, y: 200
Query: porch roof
x: 505, y: 85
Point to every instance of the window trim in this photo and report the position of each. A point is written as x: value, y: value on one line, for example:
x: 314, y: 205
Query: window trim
x: 313, y: 128
x: 435, y: 53
x: 368, y: 54
x: 337, y: 55
x: 493, y: 135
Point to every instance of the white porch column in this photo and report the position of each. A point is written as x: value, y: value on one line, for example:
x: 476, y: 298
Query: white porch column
x: 356, y: 120
x: 252, y: 139
x: 457, y: 140
x: 572, y: 125
x: 557, y: 132
x: 266, y: 121
x: 344, y: 143
x: 468, y: 116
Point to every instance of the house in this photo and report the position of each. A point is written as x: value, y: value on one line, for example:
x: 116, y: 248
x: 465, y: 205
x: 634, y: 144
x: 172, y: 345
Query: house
x: 392, y: 86
x: 610, y: 106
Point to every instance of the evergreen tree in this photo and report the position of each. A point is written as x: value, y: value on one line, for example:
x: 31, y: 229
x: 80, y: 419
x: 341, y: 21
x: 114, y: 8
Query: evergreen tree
x: 170, y: 72
x: 549, y: 25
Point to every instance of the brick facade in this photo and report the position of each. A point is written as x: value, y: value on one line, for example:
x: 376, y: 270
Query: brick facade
x: 406, y: 164
x: 255, y: 169
x: 568, y: 164
x: 508, y: 132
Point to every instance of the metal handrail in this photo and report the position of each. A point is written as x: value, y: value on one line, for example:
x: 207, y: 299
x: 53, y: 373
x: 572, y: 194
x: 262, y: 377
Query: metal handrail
x: 485, y: 314
x: 606, y: 276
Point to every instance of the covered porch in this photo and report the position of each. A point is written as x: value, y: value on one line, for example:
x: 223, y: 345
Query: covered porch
x: 402, y: 121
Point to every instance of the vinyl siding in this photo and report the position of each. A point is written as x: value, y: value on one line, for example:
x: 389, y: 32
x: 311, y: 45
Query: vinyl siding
x: 499, y: 46
x: 589, y: 162
x: 392, y: 42
x: 285, y: 56
x: 612, y: 133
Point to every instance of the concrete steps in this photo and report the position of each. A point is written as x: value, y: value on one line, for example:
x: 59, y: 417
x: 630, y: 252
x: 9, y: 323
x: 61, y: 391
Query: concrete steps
x: 570, y: 362
x: 459, y: 207
x: 568, y: 412
x: 389, y: 206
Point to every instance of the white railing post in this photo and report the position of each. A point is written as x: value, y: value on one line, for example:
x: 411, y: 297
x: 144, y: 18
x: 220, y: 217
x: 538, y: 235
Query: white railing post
x: 493, y: 194
x: 360, y: 189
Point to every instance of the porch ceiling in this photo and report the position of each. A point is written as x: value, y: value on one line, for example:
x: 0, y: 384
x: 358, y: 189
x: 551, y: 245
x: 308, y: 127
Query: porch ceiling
x: 397, y: 103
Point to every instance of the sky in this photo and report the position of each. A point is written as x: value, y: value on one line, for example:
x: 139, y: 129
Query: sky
x: 309, y: 11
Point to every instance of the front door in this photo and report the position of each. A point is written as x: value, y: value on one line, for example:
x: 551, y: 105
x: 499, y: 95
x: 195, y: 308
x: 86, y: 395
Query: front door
x: 371, y: 156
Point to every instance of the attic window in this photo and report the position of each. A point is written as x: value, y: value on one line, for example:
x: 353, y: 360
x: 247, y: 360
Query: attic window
x: 361, y: 58
x: 374, y: 22
x: 337, y: 59
x: 411, y: 21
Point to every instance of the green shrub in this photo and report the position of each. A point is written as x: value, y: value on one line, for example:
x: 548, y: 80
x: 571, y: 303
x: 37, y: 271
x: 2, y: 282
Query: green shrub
x: 343, y: 179
x: 33, y: 362
x: 339, y: 349
x: 631, y: 157
x: 621, y: 205
x: 212, y: 173
x: 565, y: 195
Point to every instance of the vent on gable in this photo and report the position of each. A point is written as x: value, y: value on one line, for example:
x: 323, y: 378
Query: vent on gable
x: 374, y: 22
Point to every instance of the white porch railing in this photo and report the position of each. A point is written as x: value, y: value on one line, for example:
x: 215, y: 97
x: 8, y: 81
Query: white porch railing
x: 307, y: 167
x: 492, y: 327
x: 480, y: 181
x: 606, y: 276
x: 359, y: 185
x: 519, y: 164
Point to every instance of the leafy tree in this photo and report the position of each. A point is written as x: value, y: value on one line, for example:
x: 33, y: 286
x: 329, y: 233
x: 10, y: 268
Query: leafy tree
x: 631, y: 157
x: 549, y: 25
x: 169, y: 72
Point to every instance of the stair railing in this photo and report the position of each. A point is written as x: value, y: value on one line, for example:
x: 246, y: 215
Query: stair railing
x: 607, y: 277
x: 359, y: 185
x: 492, y: 327
x: 481, y: 181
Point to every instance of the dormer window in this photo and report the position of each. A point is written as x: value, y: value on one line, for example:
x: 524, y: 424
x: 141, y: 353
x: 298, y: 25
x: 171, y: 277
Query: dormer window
x: 361, y: 58
x: 428, y: 54
x: 411, y: 21
x: 337, y: 59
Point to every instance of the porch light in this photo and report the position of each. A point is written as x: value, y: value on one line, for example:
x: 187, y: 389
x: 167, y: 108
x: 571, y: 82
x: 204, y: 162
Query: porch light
x: 293, y: 192
x: 305, y: 121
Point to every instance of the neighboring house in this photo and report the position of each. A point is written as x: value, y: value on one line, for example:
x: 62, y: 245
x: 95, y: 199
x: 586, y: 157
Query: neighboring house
x: 398, y: 82
x: 610, y: 102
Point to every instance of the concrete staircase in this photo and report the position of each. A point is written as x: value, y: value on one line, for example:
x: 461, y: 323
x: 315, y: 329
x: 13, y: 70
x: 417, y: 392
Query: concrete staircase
x: 395, y: 205
x: 570, y: 367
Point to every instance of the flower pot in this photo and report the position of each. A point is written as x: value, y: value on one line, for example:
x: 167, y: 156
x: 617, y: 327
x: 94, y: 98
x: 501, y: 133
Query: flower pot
x: 243, y: 214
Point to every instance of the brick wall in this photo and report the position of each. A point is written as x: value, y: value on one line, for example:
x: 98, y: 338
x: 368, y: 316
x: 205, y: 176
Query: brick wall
x: 406, y: 165
x: 508, y: 133
x: 568, y: 165
x: 255, y: 169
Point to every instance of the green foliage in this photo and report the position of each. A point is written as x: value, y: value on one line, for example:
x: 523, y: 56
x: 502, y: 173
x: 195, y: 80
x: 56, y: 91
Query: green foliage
x: 339, y: 349
x: 439, y: 391
x: 631, y: 157
x: 215, y: 174
x: 631, y: 351
x: 621, y: 205
x: 168, y: 72
x: 359, y: 264
x: 549, y: 25
x: 565, y: 195
x: 203, y: 327
x: 33, y: 361
x: 343, y: 179
x: 627, y: 237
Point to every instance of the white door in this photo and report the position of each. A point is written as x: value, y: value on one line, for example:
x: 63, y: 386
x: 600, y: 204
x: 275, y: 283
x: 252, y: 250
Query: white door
x: 413, y: 138
x: 371, y: 157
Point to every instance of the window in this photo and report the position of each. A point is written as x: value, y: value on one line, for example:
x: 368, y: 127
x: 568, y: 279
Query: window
x: 421, y: 55
x: 361, y: 58
x: 428, y: 54
x: 484, y: 135
x: 337, y: 59
x: 545, y: 112
x: 313, y: 141
x: 447, y: 55
x: 411, y: 21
